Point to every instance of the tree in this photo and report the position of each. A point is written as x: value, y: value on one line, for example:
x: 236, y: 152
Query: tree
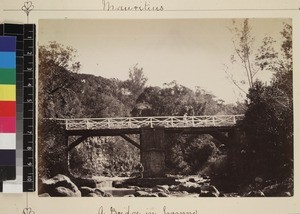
x: 174, y: 99
x: 55, y: 61
x: 135, y: 84
x: 187, y: 154
x: 268, y: 122
x: 268, y: 128
x: 57, y: 82
x: 52, y: 147
x: 243, y: 55
x: 281, y: 64
x: 57, y: 98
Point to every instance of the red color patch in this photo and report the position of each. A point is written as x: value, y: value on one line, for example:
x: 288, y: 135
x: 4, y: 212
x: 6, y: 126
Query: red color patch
x: 7, y: 108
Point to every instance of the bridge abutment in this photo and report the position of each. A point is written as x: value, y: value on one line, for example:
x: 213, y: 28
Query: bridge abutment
x: 152, y: 145
x: 233, y: 155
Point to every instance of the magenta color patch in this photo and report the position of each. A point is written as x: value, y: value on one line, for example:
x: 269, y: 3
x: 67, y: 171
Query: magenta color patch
x: 7, y: 125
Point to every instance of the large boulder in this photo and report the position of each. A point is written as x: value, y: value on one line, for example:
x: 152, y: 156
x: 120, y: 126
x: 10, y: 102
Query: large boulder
x: 254, y: 193
x: 152, y: 195
x: 134, y: 187
x: 174, y: 188
x: 129, y: 196
x: 64, y: 192
x: 160, y: 188
x: 118, y: 184
x: 190, y: 187
x: 209, y: 191
x: 102, y: 193
x: 277, y: 190
x: 44, y: 195
x: 286, y: 194
x: 51, y: 185
x: 85, y: 191
x: 98, y: 193
x: 192, y: 179
x: 92, y: 194
x: 141, y: 194
x: 162, y: 194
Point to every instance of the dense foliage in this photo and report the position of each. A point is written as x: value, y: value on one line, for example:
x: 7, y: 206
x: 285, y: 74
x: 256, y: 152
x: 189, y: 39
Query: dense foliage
x: 268, y: 122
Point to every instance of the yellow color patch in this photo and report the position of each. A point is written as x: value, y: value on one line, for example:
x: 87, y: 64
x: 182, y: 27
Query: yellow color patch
x: 7, y: 92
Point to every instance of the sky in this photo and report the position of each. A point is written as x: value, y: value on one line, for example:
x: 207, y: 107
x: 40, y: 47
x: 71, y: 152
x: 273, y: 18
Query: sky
x: 194, y: 52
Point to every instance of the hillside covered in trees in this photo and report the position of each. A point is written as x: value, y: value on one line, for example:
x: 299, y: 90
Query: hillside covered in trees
x: 265, y: 151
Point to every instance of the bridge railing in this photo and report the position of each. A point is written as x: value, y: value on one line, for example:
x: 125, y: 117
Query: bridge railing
x: 137, y: 122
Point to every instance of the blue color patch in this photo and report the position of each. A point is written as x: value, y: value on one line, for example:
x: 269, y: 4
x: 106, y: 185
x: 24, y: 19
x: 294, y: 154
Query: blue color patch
x: 8, y: 44
x: 7, y: 59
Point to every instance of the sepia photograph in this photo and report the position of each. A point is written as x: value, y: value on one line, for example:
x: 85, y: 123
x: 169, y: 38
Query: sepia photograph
x: 165, y: 108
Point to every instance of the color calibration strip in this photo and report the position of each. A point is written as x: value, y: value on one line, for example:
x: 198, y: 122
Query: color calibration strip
x: 25, y: 107
x: 7, y: 108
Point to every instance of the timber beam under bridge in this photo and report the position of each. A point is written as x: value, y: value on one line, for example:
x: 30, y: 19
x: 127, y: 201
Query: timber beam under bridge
x: 152, y: 132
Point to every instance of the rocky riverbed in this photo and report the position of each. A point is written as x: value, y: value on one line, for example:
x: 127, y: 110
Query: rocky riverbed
x: 189, y: 186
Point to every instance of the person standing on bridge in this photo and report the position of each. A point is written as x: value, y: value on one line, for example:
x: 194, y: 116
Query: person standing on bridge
x: 185, y: 118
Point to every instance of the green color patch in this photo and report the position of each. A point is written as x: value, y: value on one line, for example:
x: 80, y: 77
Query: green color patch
x: 7, y: 76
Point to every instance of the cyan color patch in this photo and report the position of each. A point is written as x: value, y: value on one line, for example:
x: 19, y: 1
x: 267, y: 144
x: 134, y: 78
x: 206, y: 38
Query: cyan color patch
x: 7, y: 59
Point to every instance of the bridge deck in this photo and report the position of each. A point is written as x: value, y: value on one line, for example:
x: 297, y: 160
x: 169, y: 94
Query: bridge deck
x: 133, y: 123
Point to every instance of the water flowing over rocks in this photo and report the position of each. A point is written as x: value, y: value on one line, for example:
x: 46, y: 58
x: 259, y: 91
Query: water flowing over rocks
x: 190, y: 186
x: 63, y: 186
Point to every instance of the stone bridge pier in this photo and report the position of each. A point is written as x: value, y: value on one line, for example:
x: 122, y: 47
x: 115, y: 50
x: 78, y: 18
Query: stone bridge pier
x: 152, y: 151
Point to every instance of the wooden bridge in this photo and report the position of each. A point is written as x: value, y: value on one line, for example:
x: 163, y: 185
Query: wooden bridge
x: 152, y: 132
x: 138, y: 122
